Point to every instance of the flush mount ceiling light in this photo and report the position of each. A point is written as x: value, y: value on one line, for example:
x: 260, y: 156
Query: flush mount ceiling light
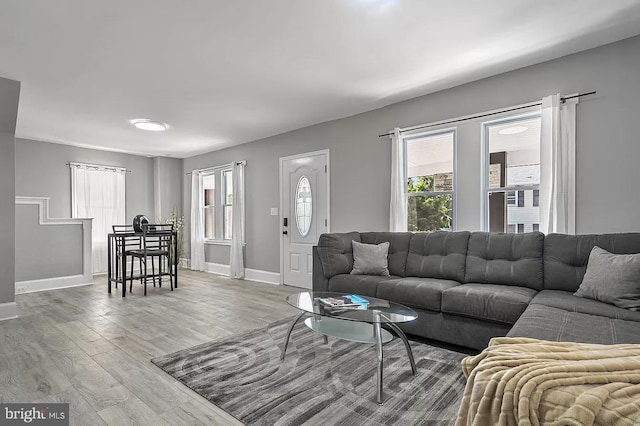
x: 145, y: 124
x: 513, y: 130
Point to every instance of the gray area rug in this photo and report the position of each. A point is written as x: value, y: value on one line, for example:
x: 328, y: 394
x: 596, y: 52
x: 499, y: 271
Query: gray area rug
x: 319, y: 384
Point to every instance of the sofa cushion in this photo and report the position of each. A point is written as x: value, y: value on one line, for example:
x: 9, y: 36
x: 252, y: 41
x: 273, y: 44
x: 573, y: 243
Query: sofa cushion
x: 336, y: 254
x: 508, y: 259
x: 566, y: 256
x: 567, y: 301
x: 559, y: 325
x: 490, y: 302
x: 612, y: 278
x: 438, y: 255
x: 398, y: 248
x: 365, y: 285
x: 423, y: 293
x: 370, y: 259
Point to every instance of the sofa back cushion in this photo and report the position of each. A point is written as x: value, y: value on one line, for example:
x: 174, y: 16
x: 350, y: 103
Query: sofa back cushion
x: 508, y: 259
x: 398, y: 248
x: 566, y: 256
x: 336, y: 254
x: 438, y: 255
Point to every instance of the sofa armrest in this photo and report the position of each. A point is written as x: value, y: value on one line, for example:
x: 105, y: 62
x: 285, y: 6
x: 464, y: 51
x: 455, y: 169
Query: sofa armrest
x: 320, y: 282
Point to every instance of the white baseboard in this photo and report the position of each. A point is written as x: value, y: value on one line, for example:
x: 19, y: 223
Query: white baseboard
x: 262, y: 276
x: 51, y: 284
x: 250, y: 274
x: 8, y: 311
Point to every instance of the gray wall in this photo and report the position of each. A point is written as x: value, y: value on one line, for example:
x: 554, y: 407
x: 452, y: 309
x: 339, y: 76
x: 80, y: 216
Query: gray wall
x: 41, y: 171
x: 167, y: 187
x: 9, y: 95
x: 45, y: 251
x: 607, y: 151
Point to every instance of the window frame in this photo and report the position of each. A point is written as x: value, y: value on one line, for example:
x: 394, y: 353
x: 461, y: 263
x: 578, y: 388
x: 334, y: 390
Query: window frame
x: 220, y: 204
x: 486, y: 190
x: 408, y: 138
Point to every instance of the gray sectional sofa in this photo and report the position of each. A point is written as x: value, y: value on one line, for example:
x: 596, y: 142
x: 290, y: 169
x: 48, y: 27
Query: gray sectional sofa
x: 468, y: 287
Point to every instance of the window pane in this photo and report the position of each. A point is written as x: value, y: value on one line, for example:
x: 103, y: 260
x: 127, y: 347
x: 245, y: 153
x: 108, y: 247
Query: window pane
x: 209, y: 223
x: 227, y: 176
x: 303, y: 206
x: 430, y: 213
x: 209, y: 185
x: 536, y: 197
x: 504, y: 216
x: 228, y: 187
x: 430, y: 163
x: 228, y: 222
x: 514, y: 150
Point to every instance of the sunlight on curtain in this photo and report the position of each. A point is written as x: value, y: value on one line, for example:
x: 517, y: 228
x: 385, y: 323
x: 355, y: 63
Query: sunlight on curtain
x: 236, y: 261
x: 98, y: 192
x: 558, y: 165
x: 197, y: 222
x: 398, y: 203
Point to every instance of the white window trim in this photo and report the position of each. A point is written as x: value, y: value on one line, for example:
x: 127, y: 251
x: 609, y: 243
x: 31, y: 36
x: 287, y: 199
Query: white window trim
x: 405, y: 139
x: 218, y: 171
x: 485, y: 163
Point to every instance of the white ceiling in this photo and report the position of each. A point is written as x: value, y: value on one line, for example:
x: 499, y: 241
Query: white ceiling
x: 225, y: 72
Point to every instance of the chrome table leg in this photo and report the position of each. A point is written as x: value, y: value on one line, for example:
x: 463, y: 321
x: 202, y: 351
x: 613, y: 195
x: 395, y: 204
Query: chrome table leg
x: 401, y: 334
x: 377, y: 332
x: 286, y: 340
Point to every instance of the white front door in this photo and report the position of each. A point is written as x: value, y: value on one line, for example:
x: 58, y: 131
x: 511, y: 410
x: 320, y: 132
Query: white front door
x: 304, y: 213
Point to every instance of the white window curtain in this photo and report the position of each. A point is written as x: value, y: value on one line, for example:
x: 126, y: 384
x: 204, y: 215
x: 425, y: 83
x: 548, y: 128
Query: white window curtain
x: 558, y: 165
x: 398, y: 203
x: 197, y: 222
x: 236, y: 261
x: 98, y: 192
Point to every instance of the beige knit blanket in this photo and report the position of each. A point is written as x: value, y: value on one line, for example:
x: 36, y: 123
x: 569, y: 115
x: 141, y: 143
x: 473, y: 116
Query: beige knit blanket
x: 520, y: 381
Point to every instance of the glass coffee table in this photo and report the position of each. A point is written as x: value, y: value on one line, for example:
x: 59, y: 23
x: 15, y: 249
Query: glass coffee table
x: 358, y: 319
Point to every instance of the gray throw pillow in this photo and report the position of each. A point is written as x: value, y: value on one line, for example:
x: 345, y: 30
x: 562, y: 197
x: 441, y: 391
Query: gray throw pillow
x: 370, y: 259
x: 612, y: 278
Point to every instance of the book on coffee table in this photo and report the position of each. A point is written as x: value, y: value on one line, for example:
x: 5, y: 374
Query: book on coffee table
x: 351, y: 301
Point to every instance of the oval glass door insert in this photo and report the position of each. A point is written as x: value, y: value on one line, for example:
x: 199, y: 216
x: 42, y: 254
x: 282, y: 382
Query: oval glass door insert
x: 304, y: 206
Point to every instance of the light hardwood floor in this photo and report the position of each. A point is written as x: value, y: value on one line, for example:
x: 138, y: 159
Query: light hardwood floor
x: 93, y: 349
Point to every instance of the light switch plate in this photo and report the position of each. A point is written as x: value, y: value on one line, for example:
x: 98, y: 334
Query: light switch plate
x: 274, y: 211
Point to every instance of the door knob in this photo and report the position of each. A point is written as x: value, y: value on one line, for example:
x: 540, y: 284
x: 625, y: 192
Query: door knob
x: 285, y: 233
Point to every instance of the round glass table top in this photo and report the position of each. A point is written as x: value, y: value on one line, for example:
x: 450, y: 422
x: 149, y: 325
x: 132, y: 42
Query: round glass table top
x: 351, y: 307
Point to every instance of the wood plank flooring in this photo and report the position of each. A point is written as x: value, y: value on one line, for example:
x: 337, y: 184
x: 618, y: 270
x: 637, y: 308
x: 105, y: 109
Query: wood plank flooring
x: 93, y: 349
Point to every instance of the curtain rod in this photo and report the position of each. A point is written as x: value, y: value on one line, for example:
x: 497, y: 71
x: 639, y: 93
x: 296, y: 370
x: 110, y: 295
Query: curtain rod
x: 472, y: 117
x: 98, y: 166
x: 224, y: 166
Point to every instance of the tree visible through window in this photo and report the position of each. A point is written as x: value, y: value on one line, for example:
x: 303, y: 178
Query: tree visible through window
x: 430, y: 181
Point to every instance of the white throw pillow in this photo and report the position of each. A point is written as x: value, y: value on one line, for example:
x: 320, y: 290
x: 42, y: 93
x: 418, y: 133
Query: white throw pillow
x: 370, y: 259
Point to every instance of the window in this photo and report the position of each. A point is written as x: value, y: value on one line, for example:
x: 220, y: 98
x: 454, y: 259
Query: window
x: 430, y: 186
x: 228, y: 204
x: 98, y: 192
x: 512, y: 180
x: 218, y: 204
x: 209, y: 185
x: 536, y: 227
